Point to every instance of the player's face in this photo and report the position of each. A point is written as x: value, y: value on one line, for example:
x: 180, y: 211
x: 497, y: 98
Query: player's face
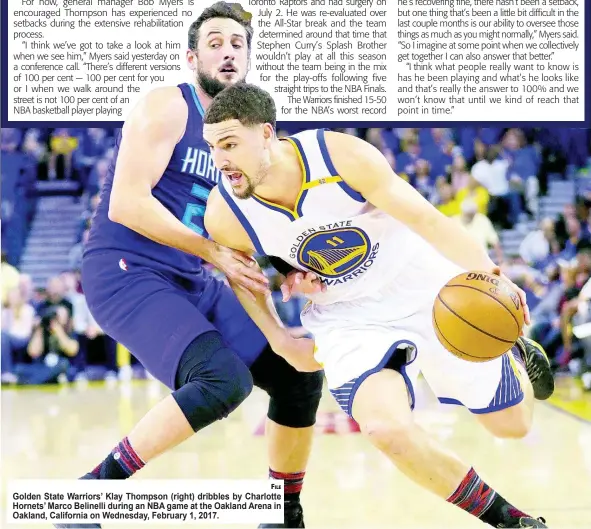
x: 241, y: 153
x: 221, y: 58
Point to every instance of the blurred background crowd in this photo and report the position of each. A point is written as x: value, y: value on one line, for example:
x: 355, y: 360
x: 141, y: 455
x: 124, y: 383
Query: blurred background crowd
x: 523, y: 193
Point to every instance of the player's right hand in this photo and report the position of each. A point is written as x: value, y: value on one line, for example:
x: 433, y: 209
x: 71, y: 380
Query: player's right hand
x: 240, y: 269
x: 298, y: 283
x: 521, y: 293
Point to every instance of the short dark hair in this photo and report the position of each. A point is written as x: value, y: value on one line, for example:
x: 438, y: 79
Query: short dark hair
x: 233, y: 11
x: 245, y: 102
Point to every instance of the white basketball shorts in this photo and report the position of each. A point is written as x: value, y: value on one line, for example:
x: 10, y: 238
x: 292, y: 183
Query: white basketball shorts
x: 357, y: 338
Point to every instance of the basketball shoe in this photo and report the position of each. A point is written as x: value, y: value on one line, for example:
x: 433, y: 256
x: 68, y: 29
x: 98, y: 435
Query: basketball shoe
x: 526, y: 522
x: 538, y: 368
x: 293, y: 516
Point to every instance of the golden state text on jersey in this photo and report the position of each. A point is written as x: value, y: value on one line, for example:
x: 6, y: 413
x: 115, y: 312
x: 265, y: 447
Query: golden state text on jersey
x: 337, y: 254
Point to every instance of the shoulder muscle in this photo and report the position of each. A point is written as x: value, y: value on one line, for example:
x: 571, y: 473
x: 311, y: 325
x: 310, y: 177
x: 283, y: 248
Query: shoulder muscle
x: 149, y: 136
x: 359, y: 163
x: 363, y: 167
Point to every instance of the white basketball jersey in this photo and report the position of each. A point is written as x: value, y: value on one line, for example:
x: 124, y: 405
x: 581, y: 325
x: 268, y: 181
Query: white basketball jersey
x: 333, y: 231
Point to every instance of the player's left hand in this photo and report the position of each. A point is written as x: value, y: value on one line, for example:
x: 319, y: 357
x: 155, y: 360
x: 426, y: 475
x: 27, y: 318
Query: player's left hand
x: 241, y: 270
x: 497, y: 271
x: 300, y: 283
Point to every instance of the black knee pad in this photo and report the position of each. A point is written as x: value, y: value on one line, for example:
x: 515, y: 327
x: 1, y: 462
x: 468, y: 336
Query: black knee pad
x: 294, y: 396
x: 212, y: 381
x: 295, y: 404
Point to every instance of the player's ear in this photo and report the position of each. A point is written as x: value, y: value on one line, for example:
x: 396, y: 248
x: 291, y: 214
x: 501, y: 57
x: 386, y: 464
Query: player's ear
x: 268, y: 132
x: 191, y: 59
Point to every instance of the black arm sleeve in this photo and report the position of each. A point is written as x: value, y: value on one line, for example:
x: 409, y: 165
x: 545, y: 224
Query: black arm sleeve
x: 280, y: 265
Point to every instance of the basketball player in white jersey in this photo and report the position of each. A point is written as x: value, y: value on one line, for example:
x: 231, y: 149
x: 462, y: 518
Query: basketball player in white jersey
x: 330, y: 203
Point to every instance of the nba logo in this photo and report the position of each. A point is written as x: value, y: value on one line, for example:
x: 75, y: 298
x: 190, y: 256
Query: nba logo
x: 123, y: 265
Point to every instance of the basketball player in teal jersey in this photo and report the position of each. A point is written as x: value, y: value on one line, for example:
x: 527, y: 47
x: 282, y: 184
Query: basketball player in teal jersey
x: 330, y: 203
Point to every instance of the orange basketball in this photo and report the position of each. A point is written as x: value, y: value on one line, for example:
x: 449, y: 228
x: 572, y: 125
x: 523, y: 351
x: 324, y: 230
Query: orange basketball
x: 477, y: 316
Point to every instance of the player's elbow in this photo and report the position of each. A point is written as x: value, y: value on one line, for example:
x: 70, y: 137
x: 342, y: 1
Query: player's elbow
x: 116, y: 214
x: 120, y: 211
x: 113, y: 214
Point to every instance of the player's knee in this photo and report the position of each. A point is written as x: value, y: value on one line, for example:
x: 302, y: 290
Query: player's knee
x: 390, y: 436
x: 213, y: 380
x: 204, y: 401
x: 242, y: 386
x: 518, y: 428
x: 234, y: 387
x: 294, y: 400
x: 510, y: 423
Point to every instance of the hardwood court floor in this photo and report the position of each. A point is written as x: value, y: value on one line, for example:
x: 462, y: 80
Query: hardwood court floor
x: 65, y: 431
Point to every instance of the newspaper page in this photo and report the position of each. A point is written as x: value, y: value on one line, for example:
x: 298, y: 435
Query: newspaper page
x: 341, y: 60
x: 295, y: 263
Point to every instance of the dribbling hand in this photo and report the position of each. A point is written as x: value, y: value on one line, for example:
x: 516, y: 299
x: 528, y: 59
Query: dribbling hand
x: 497, y: 271
x: 241, y: 270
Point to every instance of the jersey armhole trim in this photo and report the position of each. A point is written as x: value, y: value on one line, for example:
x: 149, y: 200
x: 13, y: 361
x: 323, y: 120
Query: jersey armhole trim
x: 242, y: 219
x: 196, y: 100
x: 306, y: 179
x: 332, y: 169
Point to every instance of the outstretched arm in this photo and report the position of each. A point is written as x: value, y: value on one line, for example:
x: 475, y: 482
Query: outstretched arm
x: 366, y: 170
x: 225, y: 229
